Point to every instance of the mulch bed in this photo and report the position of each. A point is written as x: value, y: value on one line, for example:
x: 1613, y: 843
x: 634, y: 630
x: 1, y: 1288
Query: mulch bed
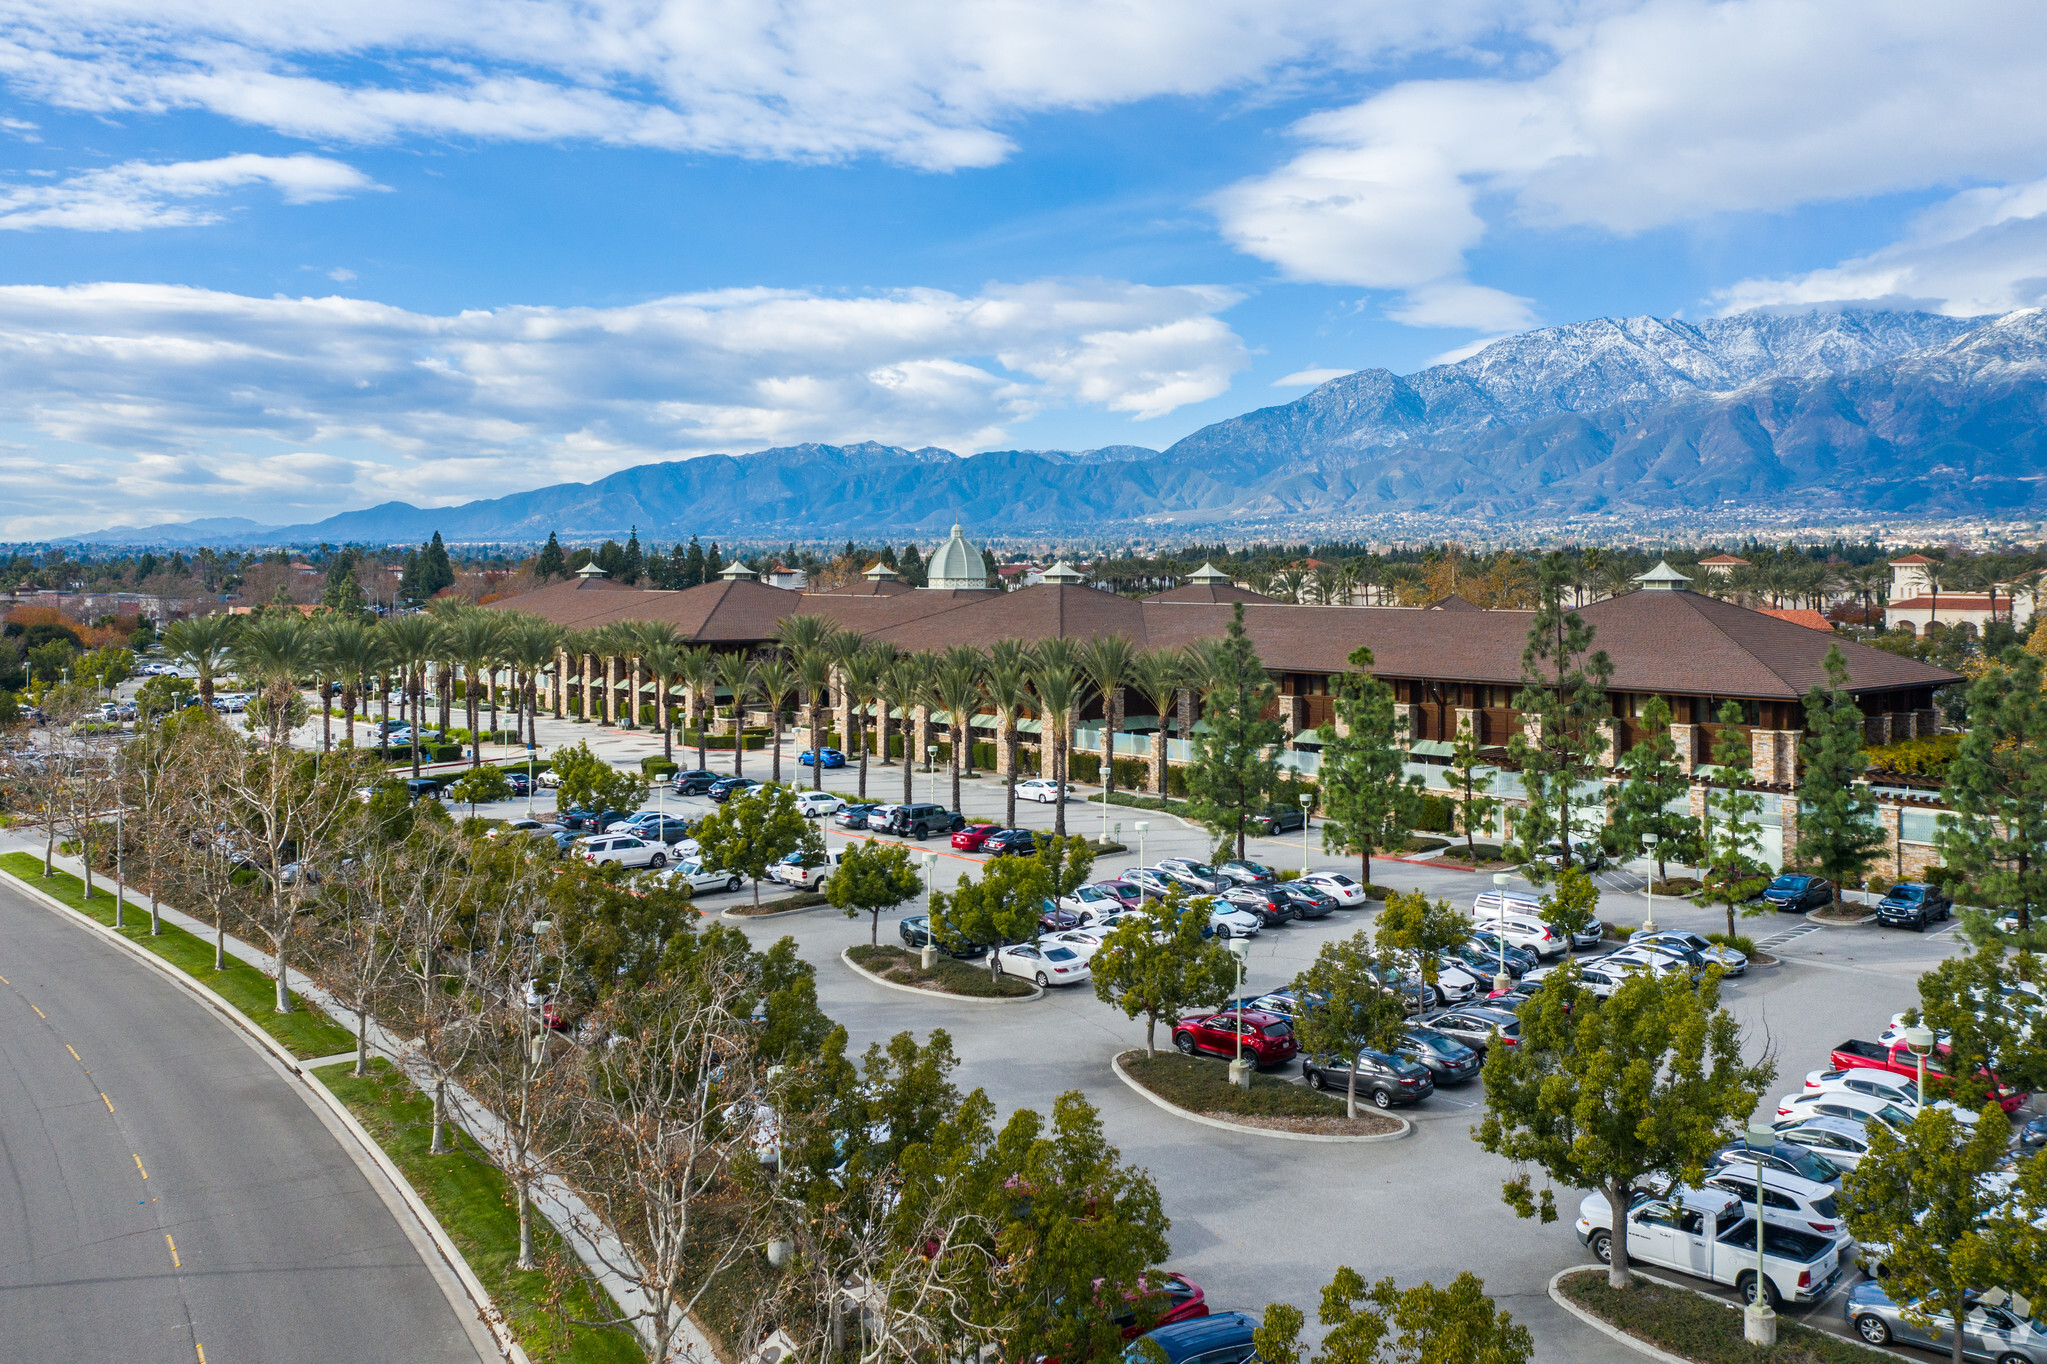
x: 1704, y: 1329
x: 1201, y: 1085
x: 947, y: 975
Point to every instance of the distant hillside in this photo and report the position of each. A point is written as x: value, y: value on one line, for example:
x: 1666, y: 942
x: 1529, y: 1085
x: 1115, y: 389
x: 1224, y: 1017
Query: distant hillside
x: 1827, y: 412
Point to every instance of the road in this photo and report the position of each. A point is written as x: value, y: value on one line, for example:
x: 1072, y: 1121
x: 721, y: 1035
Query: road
x: 165, y: 1195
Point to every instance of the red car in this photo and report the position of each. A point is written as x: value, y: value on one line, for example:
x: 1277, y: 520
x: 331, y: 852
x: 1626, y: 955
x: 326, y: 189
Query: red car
x: 1184, y: 1301
x: 973, y: 836
x: 1127, y: 894
x: 1268, y: 1039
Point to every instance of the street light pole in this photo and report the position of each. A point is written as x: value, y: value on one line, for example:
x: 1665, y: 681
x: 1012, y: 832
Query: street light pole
x: 1307, y: 805
x: 1240, y: 1070
x: 1919, y: 1039
x: 1143, y: 827
x: 1649, y: 884
x: 929, y: 957
x: 1501, y: 981
x: 1758, y: 1322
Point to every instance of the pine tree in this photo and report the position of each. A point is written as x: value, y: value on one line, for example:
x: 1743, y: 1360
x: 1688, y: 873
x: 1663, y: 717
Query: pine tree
x: 1564, y: 692
x: 611, y: 558
x: 343, y: 595
x: 1367, y: 798
x: 714, y: 564
x: 550, y: 565
x: 1997, y: 784
x: 693, y: 566
x: 888, y: 556
x: 632, y: 562
x: 1732, y: 833
x: 1236, y: 763
x: 1838, y: 830
x: 912, y: 567
x: 1471, y: 779
x: 438, y: 574
x: 409, y: 581
x: 991, y: 568
x: 1652, y: 781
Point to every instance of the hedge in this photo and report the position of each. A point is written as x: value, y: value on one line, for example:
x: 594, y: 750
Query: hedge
x: 1438, y: 815
x: 755, y: 740
x: 1916, y: 757
x: 657, y: 766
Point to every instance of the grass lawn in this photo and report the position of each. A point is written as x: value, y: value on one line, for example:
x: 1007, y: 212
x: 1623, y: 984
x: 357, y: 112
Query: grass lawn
x: 947, y: 975
x: 1200, y: 1084
x: 306, y: 1031
x: 1705, y: 1329
x: 473, y: 1201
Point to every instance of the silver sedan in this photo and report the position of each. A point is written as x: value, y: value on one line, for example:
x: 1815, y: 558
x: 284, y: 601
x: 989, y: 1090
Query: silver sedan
x: 1994, y: 1328
x: 1730, y: 962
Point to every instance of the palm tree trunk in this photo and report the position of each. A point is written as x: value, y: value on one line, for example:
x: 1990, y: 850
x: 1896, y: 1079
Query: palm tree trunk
x: 472, y: 711
x: 1009, y: 741
x: 956, y: 746
x: 327, y: 711
x: 667, y: 732
x: 1059, y: 780
x: 775, y: 737
x: 860, y: 723
x: 704, y: 723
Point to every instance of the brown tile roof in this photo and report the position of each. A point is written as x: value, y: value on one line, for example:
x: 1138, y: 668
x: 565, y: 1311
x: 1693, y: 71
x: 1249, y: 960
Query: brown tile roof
x: 1810, y: 619
x: 1453, y: 602
x: 1915, y: 559
x: 1208, y: 594
x: 1960, y: 601
x: 1723, y: 559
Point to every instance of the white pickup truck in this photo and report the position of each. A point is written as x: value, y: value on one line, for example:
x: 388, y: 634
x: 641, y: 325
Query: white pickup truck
x: 798, y: 871
x: 1709, y: 1232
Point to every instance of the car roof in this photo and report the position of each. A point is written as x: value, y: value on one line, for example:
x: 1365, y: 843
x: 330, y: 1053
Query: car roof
x: 1828, y: 1122
x: 1773, y: 1178
x: 1201, y: 1329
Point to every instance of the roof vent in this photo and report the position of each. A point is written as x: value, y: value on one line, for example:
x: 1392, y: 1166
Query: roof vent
x: 1663, y: 578
x: 590, y: 571
x: 1061, y: 572
x: 737, y: 571
x: 1208, y: 575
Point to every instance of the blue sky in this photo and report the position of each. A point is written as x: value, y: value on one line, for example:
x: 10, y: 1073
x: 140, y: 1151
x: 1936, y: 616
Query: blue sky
x: 277, y: 261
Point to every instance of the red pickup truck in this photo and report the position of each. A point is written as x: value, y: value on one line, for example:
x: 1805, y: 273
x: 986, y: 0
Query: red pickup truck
x: 1898, y: 1058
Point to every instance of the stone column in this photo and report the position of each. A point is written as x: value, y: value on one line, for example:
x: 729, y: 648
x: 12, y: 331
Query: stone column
x: 1762, y: 753
x: 1686, y: 739
x: 1005, y: 725
x: 1887, y: 814
x: 1531, y: 728
x: 632, y: 693
x: 1926, y: 724
x: 1876, y: 730
x: 1605, y: 757
x: 842, y: 715
x: 1467, y: 721
x: 1155, y: 763
x: 1403, y: 719
x: 1787, y: 822
x: 920, y: 735
x: 610, y: 690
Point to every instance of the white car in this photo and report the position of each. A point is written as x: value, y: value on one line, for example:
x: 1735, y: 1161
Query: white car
x: 524, y: 826
x: 813, y: 804
x: 1455, y: 983
x: 601, y: 850
x: 1594, y: 977
x: 1230, y: 922
x: 547, y: 777
x: 1079, y: 939
x: 1896, y: 1114
x: 1727, y: 959
x: 1091, y: 903
x: 791, y: 871
x: 1869, y: 1080
x: 1645, y: 957
x: 1346, y: 892
x: 1789, y: 1201
x: 1041, y: 789
x: 1052, y: 964
x: 698, y: 877
x: 1521, y: 930
x: 1838, y: 1141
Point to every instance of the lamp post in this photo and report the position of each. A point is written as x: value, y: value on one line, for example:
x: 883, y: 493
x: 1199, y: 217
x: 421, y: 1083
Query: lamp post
x: 120, y: 879
x: 1143, y: 827
x: 1649, y: 884
x: 931, y: 766
x: 1240, y: 1069
x: 1501, y: 981
x: 1919, y: 1039
x: 1758, y: 1322
x: 1307, y: 807
x: 929, y: 958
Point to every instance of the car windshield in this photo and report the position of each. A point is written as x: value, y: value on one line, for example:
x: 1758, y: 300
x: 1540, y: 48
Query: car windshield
x: 1429, y: 1037
x: 1790, y: 883
x: 1895, y: 1116
x: 1199, y: 868
x: 1906, y: 893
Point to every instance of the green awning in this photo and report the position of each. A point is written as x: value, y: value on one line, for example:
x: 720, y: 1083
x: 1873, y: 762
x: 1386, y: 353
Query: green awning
x: 1432, y: 748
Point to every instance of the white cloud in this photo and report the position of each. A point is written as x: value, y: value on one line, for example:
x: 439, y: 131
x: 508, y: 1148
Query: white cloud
x: 930, y: 83
x: 341, y: 274
x: 139, y: 194
x: 1309, y: 378
x: 182, y: 400
x: 1646, y: 115
x: 1982, y: 251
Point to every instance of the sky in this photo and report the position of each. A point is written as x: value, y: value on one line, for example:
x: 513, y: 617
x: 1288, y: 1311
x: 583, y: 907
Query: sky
x: 279, y: 260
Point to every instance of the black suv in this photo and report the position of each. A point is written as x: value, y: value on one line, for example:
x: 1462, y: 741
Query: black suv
x: 1280, y: 819
x: 1913, y: 904
x: 1795, y: 893
x: 725, y: 788
x: 1388, y: 1080
x: 694, y: 783
x: 1272, y: 908
x: 1011, y: 843
x: 922, y: 821
x: 915, y: 931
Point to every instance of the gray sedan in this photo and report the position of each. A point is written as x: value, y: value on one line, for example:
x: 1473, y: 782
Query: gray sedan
x: 1993, y: 1330
x: 1731, y: 962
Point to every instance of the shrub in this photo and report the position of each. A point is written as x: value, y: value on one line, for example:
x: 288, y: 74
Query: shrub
x: 657, y: 766
x: 1745, y: 946
x: 1438, y: 815
x: 1133, y: 774
x: 1085, y: 767
x: 444, y: 753
x: 1927, y: 757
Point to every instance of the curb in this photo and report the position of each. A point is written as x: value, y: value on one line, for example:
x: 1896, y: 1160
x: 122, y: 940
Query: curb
x: 1811, y: 916
x: 1657, y: 1352
x: 736, y: 917
x: 486, y: 1310
x: 1116, y: 1064
x: 1037, y: 992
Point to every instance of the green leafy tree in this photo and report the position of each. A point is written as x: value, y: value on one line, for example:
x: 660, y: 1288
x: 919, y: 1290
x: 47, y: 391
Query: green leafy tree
x: 342, y: 594
x: 1570, y: 903
x: 2002, y: 1038
x: 872, y: 877
x: 1068, y: 860
x: 1387, y: 1325
x: 1157, y: 965
x: 1838, y: 830
x: 1235, y: 770
x: 1651, y: 781
x: 750, y: 833
x: 1412, y: 922
x: 480, y: 786
x: 1368, y: 800
x: 1950, y: 1229
x: 107, y: 667
x: 551, y: 563
x: 1731, y: 832
x: 1997, y: 784
x: 1471, y: 779
x: 1002, y: 907
x: 1563, y: 698
x: 590, y: 783
x: 1600, y: 1093
x: 1349, y: 1008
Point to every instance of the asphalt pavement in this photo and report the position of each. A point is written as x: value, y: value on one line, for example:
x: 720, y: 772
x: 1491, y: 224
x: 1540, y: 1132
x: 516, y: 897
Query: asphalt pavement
x: 165, y: 1195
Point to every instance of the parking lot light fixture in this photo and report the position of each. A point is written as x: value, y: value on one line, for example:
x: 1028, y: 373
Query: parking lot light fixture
x: 1919, y: 1041
x: 929, y: 957
x: 1143, y: 827
x: 1649, y: 884
x: 1307, y: 805
x: 1501, y: 982
x: 1240, y: 1069
x: 1758, y: 1322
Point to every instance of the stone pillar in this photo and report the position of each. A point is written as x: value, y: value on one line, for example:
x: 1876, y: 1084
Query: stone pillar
x: 610, y: 690
x: 1605, y: 757
x: 1762, y: 754
x: 1155, y: 763
x: 1787, y: 822
x: 1467, y: 721
x: 920, y: 735
x: 1403, y: 719
x: 1887, y: 814
x: 632, y: 693
x: 593, y: 707
x: 1686, y: 740
x: 1926, y: 724
x: 842, y: 715
x: 1293, y: 715
x: 1876, y: 730
x: 1531, y: 728
x: 559, y: 689
x: 1005, y: 725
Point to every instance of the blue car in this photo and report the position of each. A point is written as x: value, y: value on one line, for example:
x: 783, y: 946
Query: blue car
x: 1224, y: 1338
x: 827, y: 757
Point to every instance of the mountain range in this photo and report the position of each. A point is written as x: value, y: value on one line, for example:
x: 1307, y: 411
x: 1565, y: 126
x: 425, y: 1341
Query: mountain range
x: 1832, y: 414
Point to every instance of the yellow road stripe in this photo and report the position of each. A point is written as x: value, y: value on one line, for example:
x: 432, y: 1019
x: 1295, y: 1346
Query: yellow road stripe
x: 175, y: 1263
x: 74, y: 1053
x: 5, y: 981
x: 105, y: 1100
x: 202, y: 1352
x: 40, y: 1014
x: 138, y: 1165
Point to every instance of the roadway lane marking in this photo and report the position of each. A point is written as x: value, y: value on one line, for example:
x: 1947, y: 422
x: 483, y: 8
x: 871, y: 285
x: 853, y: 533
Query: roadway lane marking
x: 175, y: 1262
x: 138, y: 1164
x: 40, y: 1014
x: 74, y: 1054
x: 202, y: 1351
x: 5, y: 981
x: 105, y: 1100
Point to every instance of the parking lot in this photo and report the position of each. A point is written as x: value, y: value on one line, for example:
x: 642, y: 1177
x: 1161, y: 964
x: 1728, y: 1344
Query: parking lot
x: 1258, y: 1219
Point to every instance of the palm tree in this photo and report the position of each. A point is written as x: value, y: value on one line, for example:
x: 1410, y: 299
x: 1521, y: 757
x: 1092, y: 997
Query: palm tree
x: 276, y: 648
x: 736, y: 673
x: 412, y: 642
x: 354, y: 651
x: 798, y: 633
x: 902, y: 687
x: 204, y: 644
x: 1056, y: 679
x: 777, y: 681
x: 617, y: 641
x: 860, y: 674
x: 1289, y: 584
x: 472, y: 641
x: 1158, y: 675
x: 446, y: 610
x: 956, y: 686
x: 698, y: 669
x: 663, y: 658
x: 814, y: 666
x: 1007, y: 686
x: 531, y: 646
x: 1932, y: 573
x: 1108, y: 661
